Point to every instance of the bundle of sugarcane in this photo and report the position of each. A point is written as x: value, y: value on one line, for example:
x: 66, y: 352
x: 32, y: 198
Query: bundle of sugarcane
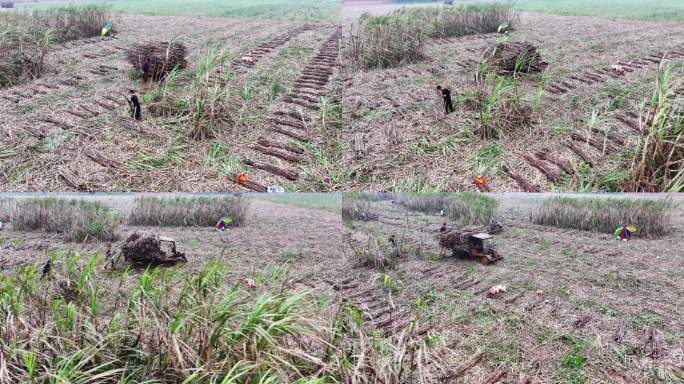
x: 455, y: 239
x: 514, y: 57
x: 156, y: 59
x: 141, y: 249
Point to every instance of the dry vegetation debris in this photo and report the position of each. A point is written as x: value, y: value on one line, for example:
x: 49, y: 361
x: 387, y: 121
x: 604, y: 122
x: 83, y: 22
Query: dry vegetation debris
x: 26, y: 38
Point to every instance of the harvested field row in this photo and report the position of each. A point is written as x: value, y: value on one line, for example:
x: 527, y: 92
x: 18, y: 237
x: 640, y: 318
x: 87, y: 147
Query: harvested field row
x: 241, y: 64
x: 81, y: 127
x: 291, y: 124
x: 59, y: 83
x: 398, y: 139
x: 597, y: 75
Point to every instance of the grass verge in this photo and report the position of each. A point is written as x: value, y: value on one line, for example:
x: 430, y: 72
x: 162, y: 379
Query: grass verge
x: 267, y: 9
x: 330, y: 202
x: 661, y: 10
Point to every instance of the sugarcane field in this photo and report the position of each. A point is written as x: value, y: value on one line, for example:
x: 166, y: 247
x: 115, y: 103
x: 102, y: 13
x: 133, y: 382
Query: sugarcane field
x: 521, y: 288
x: 584, y: 96
x: 93, y: 99
x: 341, y: 192
x: 165, y: 288
x: 341, y: 288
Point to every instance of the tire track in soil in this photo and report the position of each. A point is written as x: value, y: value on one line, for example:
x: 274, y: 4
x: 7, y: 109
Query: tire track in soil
x: 374, y: 302
x: 385, y: 315
x: 291, y: 124
x: 396, y: 316
x: 375, y: 306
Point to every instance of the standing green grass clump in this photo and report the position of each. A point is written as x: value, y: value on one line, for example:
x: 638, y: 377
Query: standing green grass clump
x: 502, y: 110
x: 385, y: 41
x: 498, y: 99
x: 207, y: 106
x: 208, y: 101
x: 81, y: 324
x: 466, y: 208
x: 25, y: 38
x: 651, y: 217
x: 77, y: 220
x: 188, y: 212
x: 399, y: 38
x: 660, y: 156
x: 354, y: 209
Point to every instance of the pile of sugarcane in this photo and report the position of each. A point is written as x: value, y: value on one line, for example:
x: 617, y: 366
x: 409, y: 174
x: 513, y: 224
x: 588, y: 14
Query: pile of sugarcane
x: 142, y: 249
x: 456, y: 239
x: 452, y: 239
x: 7, y: 4
x: 155, y: 59
x: 514, y: 57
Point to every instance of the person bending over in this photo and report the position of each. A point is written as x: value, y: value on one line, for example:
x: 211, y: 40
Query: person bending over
x: 134, y: 104
x: 446, y: 97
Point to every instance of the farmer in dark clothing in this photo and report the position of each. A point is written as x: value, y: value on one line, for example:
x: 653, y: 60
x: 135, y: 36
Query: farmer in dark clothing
x: 134, y: 104
x: 147, y: 72
x: 446, y: 96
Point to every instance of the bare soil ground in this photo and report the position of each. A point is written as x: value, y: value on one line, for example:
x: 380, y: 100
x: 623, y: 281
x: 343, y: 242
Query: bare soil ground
x: 71, y: 130
x: 396, y: 137
x: 603, y: 302
x: 276, y: 235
